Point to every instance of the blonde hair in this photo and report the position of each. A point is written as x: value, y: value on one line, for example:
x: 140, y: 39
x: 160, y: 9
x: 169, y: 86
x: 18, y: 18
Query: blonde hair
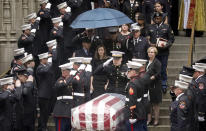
x: 152, y: 48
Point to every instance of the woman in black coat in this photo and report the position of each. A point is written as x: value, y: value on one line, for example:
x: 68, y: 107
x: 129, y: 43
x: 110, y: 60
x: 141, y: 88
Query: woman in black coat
x: 99, y: 80
x: 153, y: 69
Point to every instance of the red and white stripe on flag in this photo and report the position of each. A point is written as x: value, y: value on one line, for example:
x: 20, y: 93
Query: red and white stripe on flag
x: 101, y: 113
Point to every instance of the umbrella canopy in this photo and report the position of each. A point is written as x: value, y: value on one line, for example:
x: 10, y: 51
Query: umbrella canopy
x: 100, y: 17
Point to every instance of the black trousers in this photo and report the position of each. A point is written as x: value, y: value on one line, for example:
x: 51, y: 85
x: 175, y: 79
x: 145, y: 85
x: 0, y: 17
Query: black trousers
x: 44, y: 105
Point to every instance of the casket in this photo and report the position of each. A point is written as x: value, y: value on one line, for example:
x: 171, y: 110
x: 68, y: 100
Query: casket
x: 161, y: 42
x: 104, y: 112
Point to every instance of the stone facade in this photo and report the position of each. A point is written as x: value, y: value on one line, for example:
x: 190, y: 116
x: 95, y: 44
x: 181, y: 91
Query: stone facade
x: 12, y: 16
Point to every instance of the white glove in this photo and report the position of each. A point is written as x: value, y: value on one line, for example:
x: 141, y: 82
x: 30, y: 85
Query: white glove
x: 68, y: 9
x: 132, y: 121
x: 33, y: 31
x: 48, y: 5
x: 201, y: 118
x: 73, y: 72
x: 92, y: 4
x: 54, y: 47
x: 50, y: 59
x: 107, y: 62
x: 61, y: 24
x: 88, y: 68
x: 81, y: 67
x: 38, y: 18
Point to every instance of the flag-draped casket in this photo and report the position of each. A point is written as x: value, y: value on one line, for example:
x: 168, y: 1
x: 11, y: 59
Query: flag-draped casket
x: 104, y: 112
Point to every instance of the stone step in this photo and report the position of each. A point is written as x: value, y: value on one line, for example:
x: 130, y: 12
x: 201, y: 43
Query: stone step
x: 164, y: 111
x: 173, y: 69
x: 186, y: 40
x: 184, y: 54
x: 177, y: 62
x: 159, y: 128
x: 165, y: 102
x: 185, y: 47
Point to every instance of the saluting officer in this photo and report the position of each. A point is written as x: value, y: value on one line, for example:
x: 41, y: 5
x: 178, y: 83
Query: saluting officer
x: 161, y: 36
x: 80, y: 88
x: 8, y: 96
x: 135, y: 111
x: 28, y: 63
x: 201, y: 94
x: 64, y: 103
x: 67, y: 30
x: 180, y: 110
x: 137, y: 45
x: 44, y: 85
x: 17, y: 63
x: 191, y: 94
x: 57, y: 33
x: 25, y: 81
x: 115, y: 72
x: 26, y: 39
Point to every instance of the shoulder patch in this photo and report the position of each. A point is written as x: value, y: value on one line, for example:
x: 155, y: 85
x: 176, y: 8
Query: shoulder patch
x: 182, y: 104
x: 131, y: 91
x: 201, y: 86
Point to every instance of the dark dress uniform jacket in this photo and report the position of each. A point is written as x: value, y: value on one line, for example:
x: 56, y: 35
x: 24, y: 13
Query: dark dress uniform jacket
x: 45, y: 26
x: 137, y: 49
x: 180, y: 114
x: 28, y: 103
x: 162, y: 31
x: 7, y: 100
x: 116, y: 77
x: 130, y: 9
x: 26, y: 42
x: 80, y: 86
x: 63, y: 107
x: 60, y: 43
x: 44, y: 81
x: 134, y: 93
x: 155, y: 86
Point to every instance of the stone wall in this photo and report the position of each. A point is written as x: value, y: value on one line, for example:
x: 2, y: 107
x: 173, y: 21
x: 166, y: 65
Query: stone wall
x: 12, y: 16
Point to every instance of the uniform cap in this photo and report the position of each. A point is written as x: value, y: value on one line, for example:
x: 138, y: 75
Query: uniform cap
x: 113, y: 29
x: 133, y: 65
x: 43, y: 55
x: 5, y: 81
x: 181, y: 84
x: 27, y: 58
x: 56, y: 20
x: 201, y: 64
x: 136, y: 28
x: 198, y: 68
x: 141, y: 17
x: 51, y: 43
x: 86, y: 39
x: 141, y: 61
x: 157, y: 14
x: 203, y: 60
x: 67, y: 66
x: 76, y: 59
x: 26, y: 26
x: 87, y: 60
x: 117, y: 53
x: 185, y: 78
x: 31, y: 16
x: 43, y: 1
x: 187, y: 71
x: 62, y: 5
x: 19, y: 51
x: 21, y: 71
